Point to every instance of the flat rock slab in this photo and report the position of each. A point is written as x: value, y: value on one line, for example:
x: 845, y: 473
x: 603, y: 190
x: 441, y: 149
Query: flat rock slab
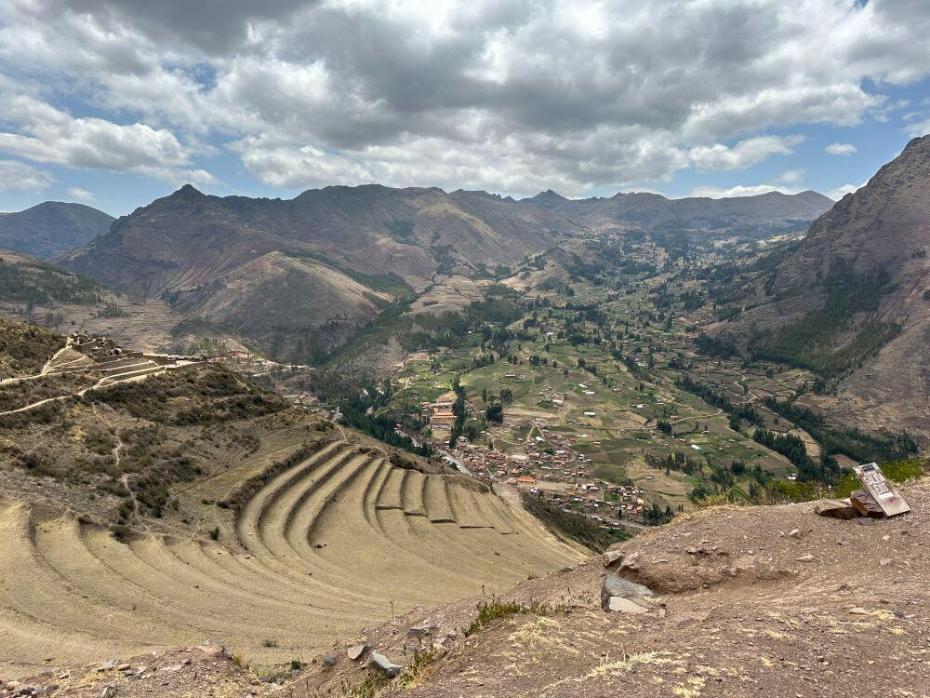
x: 837, y: 509
x: 618, y: 604
x: 356, y: 651
x: 386, y: 665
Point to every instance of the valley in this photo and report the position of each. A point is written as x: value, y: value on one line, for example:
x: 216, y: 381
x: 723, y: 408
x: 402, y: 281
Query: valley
x: 229, y: 421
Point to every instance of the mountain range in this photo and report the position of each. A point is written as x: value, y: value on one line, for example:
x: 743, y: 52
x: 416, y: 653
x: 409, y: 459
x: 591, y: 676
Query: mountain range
x: 764, y: 214
x: 318, y: 267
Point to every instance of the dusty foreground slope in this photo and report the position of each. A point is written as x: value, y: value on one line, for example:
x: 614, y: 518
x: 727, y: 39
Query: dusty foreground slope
x: 770, y: 601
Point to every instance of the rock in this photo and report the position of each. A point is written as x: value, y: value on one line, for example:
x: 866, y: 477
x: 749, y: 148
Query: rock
x: 612, y: 557
x: 616, y: 587
x: 866, y: 505
x: 330, y: 660
x: 386, y: 665
x: 794, y: 533
x: 356, y: 651
x: 172, y: 667
x: 212, y: 650
x: 837, y: 509
x: 108, y: 691
x: 422, y: 629
x: 857, y: 611
x: 806, y: 558
x: 630, y: 562
x: 622, y: 605
x: 108, y: 665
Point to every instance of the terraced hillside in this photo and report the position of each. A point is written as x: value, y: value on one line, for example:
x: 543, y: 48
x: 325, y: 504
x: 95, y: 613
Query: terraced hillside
x: 339, y: 541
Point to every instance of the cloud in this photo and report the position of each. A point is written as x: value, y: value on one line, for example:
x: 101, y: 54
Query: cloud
x: 490, y: 93
x: 744, y: 154
x: 791, y: 176
x: 841, y: 149
x: 47, y: 134
x: 80, y: 194
x: 840, y: 192
x: 741, y: 190
x: 18, y: 176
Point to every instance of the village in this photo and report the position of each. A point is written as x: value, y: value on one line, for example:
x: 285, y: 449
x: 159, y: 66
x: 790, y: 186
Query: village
x: 544, y: 465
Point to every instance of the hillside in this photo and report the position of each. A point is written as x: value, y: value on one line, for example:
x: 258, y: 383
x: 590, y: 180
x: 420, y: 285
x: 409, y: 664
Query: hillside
x: 150, y: 502
x: 52, y: 228
x: 762, y: 600
x: 761, y: 215
x: 48, y: 295
x: 852, y: 302
x: 298, y: 278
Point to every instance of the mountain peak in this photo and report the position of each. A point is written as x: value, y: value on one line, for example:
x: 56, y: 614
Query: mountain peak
x: 546, y: 198
x: 188, y: 191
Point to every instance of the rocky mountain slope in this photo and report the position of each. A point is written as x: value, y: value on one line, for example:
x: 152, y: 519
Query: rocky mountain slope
x: 764, y: 214
x: 52, y: 228
x: 299, y: 277
x: 853, y: 301
x: 309, y: 271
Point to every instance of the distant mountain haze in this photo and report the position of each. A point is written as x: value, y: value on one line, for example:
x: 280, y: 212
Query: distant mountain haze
x: 51, y: 228
x: 762, y: 214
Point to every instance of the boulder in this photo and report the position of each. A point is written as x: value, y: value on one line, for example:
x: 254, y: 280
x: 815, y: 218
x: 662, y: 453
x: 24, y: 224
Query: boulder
x: 612, y: 557
x: 614, y: 587
x: 866, y: 505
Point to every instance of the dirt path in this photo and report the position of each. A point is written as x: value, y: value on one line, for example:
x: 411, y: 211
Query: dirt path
x: 104, y: 382
x: 46, y: 368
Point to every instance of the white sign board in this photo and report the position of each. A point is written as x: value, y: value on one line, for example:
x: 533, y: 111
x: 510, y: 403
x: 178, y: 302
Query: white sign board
x: 882, y: 491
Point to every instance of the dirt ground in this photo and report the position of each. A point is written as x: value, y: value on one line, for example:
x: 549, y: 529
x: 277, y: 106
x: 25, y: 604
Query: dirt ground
x: 752, y: 601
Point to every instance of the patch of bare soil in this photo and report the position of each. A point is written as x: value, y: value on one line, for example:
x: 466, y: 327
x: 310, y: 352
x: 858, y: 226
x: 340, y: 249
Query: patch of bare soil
x: 767, y: 600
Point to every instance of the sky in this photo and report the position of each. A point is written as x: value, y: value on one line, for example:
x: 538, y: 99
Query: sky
x: 113, y: 103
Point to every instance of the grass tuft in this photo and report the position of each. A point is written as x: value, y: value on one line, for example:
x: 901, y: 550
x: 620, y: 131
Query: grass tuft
x: 489, y: 611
